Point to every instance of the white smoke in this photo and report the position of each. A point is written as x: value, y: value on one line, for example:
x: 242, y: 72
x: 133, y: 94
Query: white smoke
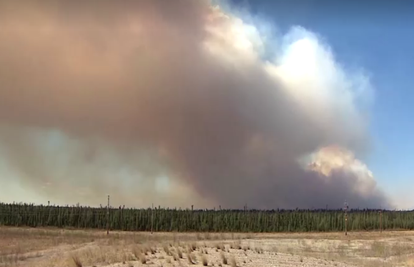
x: 156, y: 101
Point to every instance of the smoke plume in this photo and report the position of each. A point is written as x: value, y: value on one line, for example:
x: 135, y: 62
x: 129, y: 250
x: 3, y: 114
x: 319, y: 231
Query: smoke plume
x: 175, y: 103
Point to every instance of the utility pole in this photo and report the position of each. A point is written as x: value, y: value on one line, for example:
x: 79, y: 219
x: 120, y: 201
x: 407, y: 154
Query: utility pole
x: 245, y: 217
x: 346, y: 217
x: 107, y: 218
x: 152, y: 217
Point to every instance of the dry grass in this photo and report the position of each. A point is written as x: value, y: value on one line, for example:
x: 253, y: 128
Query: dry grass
x: 237, y: 245
x: 258, y: 250
x: 139, y: 254
x: 74, y: 248
x: 204, y: 260
x: 175, y: 257
x: 193, y: 246
x: 77, y: 261
x: 233, y: 262
x: 179, y: 253
x: 142, y: 258
x: 377, y: 249
x: 191, y: 259
x: 220, y: 246
x: 223, y: 258
x: 167, y: 250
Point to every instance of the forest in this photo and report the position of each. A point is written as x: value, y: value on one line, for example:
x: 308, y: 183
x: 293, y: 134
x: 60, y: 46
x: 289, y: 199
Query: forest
x: 192, y: 220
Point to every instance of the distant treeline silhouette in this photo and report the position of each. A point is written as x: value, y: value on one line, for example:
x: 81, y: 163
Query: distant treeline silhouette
x: 202, y: 220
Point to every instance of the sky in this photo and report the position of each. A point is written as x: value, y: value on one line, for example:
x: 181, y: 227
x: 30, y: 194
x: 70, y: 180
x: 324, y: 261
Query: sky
x: 377, y: 37
x: 272, y: 103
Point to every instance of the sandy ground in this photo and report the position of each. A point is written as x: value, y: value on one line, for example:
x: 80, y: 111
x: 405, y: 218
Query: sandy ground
x: 56, y: 247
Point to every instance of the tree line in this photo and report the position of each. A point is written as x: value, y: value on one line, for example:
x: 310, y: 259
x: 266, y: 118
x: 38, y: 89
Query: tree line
x: 189, y: 220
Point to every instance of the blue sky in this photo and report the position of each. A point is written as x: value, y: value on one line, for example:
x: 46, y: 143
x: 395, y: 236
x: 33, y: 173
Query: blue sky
x: 377, y: 36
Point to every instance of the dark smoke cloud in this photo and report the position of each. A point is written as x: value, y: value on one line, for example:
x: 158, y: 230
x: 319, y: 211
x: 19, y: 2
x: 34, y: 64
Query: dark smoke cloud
x: 101, y: 97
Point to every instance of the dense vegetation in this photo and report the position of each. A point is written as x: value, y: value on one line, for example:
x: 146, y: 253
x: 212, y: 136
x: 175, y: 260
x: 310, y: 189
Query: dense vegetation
x: 202, y: 220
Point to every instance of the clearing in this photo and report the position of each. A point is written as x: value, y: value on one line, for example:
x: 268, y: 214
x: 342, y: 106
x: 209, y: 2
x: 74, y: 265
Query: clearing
x: 62, y: 247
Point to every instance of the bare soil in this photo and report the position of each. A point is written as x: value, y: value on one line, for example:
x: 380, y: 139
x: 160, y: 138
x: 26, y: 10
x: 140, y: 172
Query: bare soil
x: 57, y: 247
